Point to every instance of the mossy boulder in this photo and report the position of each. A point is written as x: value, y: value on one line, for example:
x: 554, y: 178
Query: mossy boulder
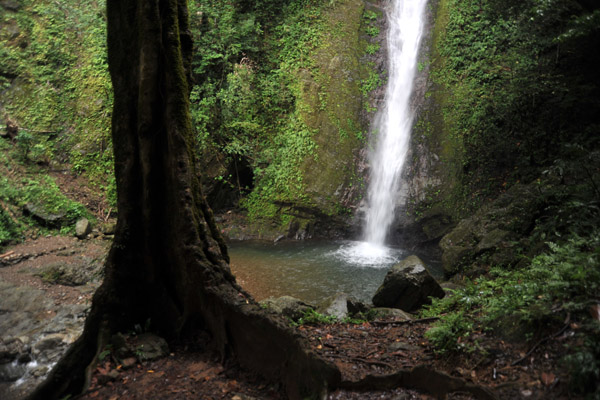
x: 287, y: 306
x: 494, y: 229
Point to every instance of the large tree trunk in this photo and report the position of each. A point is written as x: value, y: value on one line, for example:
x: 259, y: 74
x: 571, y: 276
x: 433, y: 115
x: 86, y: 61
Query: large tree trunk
x: 168, y: 263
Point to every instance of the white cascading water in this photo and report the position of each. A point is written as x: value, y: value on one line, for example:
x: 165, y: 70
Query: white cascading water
x: 394, y: 122
x: 393, y: 127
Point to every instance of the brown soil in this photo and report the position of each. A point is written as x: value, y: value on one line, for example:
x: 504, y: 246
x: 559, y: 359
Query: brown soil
x: 20, y: 264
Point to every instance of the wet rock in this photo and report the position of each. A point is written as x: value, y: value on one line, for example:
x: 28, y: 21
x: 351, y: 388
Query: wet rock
x: 49, y: 348
x: 40, y: 371
x: 83, y: 228
x: 10, y: 349
x: 11, y: 372
x: 34, y: 333
x: 335, y: 306
x: 288, y: 306
x: 407, y: 286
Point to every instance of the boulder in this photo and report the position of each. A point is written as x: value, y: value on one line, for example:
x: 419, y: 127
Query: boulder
x: 492, y: 232
x: 407, y: 286
x: 335, y: 306
x: 288, y: 306
x: 38, y: 213
x: 83, y: 228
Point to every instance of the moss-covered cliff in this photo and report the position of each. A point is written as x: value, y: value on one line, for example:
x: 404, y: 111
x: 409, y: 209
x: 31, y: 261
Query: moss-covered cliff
x: 283, y: 134
x: 55, y: 85
x: 511, y: 98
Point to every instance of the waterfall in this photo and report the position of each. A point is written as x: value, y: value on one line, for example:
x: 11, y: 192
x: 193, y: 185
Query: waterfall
x: 394, y: 121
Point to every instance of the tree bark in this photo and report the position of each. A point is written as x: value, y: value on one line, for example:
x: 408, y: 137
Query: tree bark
x: 168, y: 263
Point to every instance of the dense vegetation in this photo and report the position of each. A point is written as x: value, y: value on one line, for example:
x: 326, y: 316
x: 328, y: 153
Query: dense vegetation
x: 518, y: 94
x: 264, y: 93
x: 262, y: 90
x: 280, y: 105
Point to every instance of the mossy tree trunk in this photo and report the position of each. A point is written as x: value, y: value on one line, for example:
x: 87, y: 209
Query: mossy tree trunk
x: 168, y: 263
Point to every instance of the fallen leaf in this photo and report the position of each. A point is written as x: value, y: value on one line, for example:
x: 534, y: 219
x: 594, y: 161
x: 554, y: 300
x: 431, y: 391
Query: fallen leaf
x: 150, y: 371
x: 548, y: 378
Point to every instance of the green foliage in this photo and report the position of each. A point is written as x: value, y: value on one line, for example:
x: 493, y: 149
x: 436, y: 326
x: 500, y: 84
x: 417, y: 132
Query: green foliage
x: 370, y: 20
x: 565, y: 279
x: 62, y: 96
x: 368, y: 85
x: 246, y: 107
x: 311, y: 317
x: 521, y: 82
x: 447, y: 335
x: 45, y: 194
x: 9, y: 231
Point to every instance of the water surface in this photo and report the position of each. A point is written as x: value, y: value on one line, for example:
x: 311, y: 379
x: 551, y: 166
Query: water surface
x: 311, y: 270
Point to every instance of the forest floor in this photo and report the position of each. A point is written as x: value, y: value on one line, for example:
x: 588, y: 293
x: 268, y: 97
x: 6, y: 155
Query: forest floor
x: 362, y: 352
x: 389, y: 354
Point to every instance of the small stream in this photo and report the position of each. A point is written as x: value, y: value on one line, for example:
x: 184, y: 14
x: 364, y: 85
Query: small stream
x: 312, y: 270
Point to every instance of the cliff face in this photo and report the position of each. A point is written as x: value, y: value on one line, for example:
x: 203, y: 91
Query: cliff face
x: 507, y: 104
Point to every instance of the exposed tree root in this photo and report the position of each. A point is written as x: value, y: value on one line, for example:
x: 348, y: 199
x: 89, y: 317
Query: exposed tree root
x: 422, y: 378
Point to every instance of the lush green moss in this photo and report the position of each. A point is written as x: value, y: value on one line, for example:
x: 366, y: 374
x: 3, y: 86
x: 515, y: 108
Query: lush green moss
x: 59, y: 93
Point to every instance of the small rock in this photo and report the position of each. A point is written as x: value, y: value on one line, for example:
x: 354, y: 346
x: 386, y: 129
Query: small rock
x: 356, y: 306
x: 40, y: 371
x: 109, y: 228
x: 109, y: 377
x: 397, y: 346
x: 335, y: 306
x: 384, y: 312
x: 288, y: 306
x: 82, y: 228
x: 150, y: 347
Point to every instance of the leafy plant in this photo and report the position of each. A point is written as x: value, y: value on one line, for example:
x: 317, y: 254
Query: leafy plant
x: 312, y: 317
x: 564, y: 279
